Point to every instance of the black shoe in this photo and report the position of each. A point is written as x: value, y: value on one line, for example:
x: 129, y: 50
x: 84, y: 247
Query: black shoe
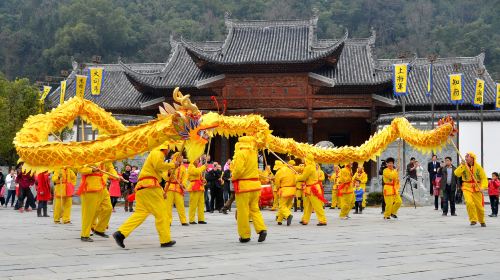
x: 192, y: 223
x: 262, y: 236
x: 445, y: 214
x: 289, y: 220
x: 387, y: 218
x: 492, y: 215
x: 126, y: 209
x: 185, y: 224
x: 483, y: 224
x: 453, y: 214
x: 244, y: 240
x: 394, y: 216
x: 131, y: 210
x: 302, y: 223
x: 202, y: 222
x: 332, y: 207
x: 356, y: 212
x: 118, y: 236
x: 168, y: 244
x: 101, y: 234
x: 473, y: 223
x: 280, y: 223
x: 39, y: 215
x: 224, y: 211
x: 86, y: 239
x: 321, y: 224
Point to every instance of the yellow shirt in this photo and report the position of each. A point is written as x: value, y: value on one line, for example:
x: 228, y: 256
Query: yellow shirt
x: 344, y: 181
x: 363, y: 178
x: 153, y: 170
x: 244, y: 169
x: 310, y: 177
x: 285, y: 181
x: 174, y: 180
x: 60, y: 178
x: 95, y: 181
x: 391, y: 181
x: 480, y: 182
x: 194, y: 175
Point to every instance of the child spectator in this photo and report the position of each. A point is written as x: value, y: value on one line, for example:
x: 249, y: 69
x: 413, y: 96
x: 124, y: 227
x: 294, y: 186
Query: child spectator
x: 493, y: 191
x: 358, y: 191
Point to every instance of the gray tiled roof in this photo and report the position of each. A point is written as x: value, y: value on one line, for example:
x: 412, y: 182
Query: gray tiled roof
x: 117, y: 94
x: 267, y: 42
x: 441, y: 69
x: 179, y: 71
x: 356, y: 65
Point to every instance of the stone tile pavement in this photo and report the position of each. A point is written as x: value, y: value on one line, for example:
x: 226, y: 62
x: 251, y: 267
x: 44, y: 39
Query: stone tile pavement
x: 420, y: 245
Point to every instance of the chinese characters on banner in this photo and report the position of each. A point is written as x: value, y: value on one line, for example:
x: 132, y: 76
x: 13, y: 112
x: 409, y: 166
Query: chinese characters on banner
x: 62, y: 92
x: 497, y: 106
x: 81, y: 82
x: 400, y: 79
x: 95, y: 80
x: 456, y: 88
x: 479, y: 96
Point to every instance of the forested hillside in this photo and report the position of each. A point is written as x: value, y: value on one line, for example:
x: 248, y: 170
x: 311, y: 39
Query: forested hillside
x: 38, y: 37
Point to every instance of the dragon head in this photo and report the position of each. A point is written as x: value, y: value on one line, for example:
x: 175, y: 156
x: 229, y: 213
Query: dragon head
x: 449, y: 120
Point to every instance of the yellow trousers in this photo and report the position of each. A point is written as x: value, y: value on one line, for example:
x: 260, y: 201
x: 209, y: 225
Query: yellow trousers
x: 276, y: 200
x: 363, y: 204
x: 334, y: 199
x: 247, y: 206
x: 197, y: 204
x: 177, y: 199
x: 392, y: 204
x: 149, y: 201
x: 286, y: 203
x: 474, y: 204
x: 95, y: 205
x: 62, y: 209
x: 311, y: 203
x: 346, y: 204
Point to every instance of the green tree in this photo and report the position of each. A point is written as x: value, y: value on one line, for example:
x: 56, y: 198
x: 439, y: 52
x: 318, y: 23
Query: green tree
x: 18, y: 100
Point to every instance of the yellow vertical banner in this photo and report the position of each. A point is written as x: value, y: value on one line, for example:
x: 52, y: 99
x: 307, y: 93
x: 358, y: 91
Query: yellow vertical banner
x: 498, y: 97
x: 95, y: 80
x: 62, y: 92
x: 479, y: 95
x: 400, y: 77
x: 81, y: 82
x: 455, y: 84
x: 46, y: 90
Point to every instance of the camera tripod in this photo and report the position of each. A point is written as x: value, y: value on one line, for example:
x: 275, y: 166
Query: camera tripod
x: 408, y: 181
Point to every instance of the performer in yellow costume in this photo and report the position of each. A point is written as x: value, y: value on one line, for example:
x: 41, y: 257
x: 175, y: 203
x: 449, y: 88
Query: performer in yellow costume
x: 196, y: 189
x: 285, y: 183
x: 362, y: 177
x: 276, y: 198
x: 313, y: 194
x: 245, y: 176
x: 64, y: 186
x: 175, y: 190
x: 96, y: 203
x: 345, y: 191
x: 150, y: 199
x: 474, y: 181
x: 299, y: 186
x: 391, y: 190
x: 334, y: 178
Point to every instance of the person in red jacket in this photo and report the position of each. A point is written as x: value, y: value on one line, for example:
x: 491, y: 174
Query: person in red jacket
x: 42, y: 193
x: 493, y: 191
x: 25, y: 180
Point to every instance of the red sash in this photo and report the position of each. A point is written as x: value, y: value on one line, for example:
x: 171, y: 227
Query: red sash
x: 236, y: 183
x: 341, y: 187
x: 393, y: 188
x: 197, y: 185
x: 317, y: 193
x: 148, y: 178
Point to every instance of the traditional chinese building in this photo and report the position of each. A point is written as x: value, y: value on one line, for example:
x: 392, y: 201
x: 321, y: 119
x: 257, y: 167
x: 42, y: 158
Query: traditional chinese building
x: 308, y: 88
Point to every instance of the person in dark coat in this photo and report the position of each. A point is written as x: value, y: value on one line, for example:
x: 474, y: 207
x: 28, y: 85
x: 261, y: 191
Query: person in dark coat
x: 432, y: 168
x: 448, y: 186
x: 214, y: 182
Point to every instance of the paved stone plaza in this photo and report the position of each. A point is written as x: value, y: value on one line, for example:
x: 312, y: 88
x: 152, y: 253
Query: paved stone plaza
x: 420, y: 245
